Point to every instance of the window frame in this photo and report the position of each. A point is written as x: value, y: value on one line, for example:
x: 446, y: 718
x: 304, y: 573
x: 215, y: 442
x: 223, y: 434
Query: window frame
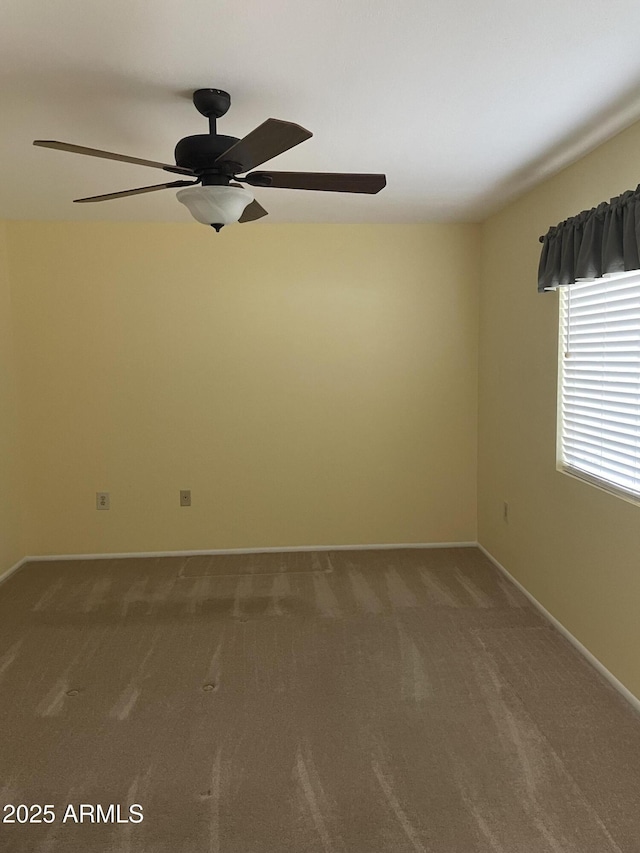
x: 565, y: 467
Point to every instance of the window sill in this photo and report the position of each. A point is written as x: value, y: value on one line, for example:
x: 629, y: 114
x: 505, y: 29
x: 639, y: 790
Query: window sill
x: 610, y: 488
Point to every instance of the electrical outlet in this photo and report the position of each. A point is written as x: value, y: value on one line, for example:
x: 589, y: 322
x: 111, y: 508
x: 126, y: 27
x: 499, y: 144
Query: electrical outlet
x: 103, y: 500
x: 185, y: 497
x: 505, y: 512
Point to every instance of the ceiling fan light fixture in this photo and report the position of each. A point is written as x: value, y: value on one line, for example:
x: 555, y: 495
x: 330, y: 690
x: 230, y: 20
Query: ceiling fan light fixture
x: 215, y: 205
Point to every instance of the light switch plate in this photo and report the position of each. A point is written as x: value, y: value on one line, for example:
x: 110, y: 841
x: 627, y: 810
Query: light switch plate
x: 185, y: 497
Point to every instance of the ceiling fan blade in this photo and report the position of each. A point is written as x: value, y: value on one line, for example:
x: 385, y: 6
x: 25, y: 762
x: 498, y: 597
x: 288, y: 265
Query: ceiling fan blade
x: 108, y: 155
x: 137, y: 191
x: 253, y: 211
x: 334, y: 182
x: 268, y: 140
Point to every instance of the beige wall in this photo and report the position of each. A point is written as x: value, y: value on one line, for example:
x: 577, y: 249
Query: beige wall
x: 11, y: 541
x: 575, y: 547
x: 310, y: 384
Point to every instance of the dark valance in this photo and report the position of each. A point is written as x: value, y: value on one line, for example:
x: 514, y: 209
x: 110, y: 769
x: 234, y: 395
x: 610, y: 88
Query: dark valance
x: 605, y: 239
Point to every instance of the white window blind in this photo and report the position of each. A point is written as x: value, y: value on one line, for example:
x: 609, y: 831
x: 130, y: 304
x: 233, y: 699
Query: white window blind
x: 600, y: 382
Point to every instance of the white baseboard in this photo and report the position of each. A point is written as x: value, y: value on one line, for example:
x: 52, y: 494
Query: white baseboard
x: 214, y: 551
x: 8, y: 572
x: 584, y: 651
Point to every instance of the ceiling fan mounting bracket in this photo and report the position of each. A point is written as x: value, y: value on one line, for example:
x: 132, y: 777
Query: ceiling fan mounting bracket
x: 211, y: 103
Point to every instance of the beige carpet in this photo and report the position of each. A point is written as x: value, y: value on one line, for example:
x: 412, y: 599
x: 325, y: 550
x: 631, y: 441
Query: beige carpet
x: 345, y: 702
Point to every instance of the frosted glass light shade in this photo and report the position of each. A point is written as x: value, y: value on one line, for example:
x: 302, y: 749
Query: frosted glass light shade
x: 217, y: 205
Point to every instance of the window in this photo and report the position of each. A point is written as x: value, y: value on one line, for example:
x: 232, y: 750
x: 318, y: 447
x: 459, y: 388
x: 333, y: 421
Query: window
x: 599, y: 406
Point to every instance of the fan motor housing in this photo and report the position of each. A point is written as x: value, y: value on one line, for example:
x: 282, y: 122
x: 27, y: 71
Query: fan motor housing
x: 200, y: 152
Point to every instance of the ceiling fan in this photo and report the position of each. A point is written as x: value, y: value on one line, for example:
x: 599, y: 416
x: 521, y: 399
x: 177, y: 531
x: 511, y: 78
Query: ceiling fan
x: 215, y: 162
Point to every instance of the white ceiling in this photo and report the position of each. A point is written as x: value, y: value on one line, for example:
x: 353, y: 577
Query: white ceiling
x: 462, y: 104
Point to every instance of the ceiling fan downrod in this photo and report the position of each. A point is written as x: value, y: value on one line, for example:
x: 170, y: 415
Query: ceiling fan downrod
x: 212, y: 104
